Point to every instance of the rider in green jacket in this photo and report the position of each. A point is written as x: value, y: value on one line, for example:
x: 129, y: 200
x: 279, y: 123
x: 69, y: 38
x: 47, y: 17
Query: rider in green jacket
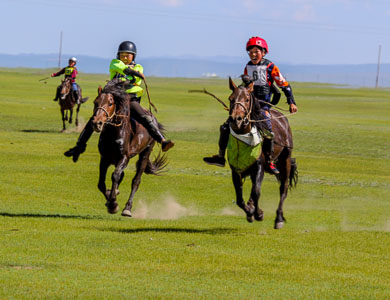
x: 124, y: 67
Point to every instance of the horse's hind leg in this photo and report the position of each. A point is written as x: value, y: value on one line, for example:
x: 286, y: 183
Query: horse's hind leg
x: 249, y: 208
x: 77, y: 115
x: 257, y: 180
x: 284, y: 168
x: 143, y: 159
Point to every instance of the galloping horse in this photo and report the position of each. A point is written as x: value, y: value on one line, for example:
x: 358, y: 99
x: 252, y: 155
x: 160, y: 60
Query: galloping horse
x: 67, y: 102
x: 121, y: 139
x: 241, y: 107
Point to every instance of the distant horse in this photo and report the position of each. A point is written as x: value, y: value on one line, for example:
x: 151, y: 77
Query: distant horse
x: 67, y: 101
x: 241, y: 107
x: 121, y: 139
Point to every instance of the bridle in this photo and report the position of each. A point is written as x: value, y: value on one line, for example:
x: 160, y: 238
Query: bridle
x: 248, y: 111
x: 110, y: 119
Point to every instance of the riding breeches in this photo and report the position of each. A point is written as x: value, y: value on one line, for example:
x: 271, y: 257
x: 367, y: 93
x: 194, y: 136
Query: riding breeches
x: 138, y: 113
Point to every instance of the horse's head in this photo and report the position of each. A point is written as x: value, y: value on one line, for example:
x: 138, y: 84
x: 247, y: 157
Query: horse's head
x: 240, y: 106
x: 104, y: 110
x: 65, y: 89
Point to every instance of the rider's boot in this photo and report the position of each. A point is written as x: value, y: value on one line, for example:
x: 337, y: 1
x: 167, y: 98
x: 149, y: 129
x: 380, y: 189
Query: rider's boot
x: 76, y: 96
x: 81, y: 144
x: 57, y: 95
x: 268, y: 147
x: 219, y: 159
x: 152, y: 128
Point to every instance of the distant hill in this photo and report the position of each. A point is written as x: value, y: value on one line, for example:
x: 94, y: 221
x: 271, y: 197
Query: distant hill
x: 358, y: 75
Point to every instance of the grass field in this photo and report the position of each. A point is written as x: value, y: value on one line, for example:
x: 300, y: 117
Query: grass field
x: 187, y: 239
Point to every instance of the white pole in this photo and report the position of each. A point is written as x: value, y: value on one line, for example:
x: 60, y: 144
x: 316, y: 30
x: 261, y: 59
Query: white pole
x: 377, y: 70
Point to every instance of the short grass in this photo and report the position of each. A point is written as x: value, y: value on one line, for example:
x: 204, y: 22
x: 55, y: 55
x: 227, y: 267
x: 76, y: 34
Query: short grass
x: 188, y: 240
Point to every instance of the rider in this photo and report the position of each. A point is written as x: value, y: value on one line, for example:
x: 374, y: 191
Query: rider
x: 124, y: 67
x: 263, y: 73
x: 70, y: 72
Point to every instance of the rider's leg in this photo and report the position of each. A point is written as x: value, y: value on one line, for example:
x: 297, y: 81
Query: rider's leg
x: 219, y: 159
x: 57, y: 93
x: 138, y: 113
x: 268, y: 144
x: 81, y: 144
x: 75, y: 90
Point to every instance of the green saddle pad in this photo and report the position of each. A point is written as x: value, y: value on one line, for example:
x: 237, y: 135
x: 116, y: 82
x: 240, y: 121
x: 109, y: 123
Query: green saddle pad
x: 241, y: 155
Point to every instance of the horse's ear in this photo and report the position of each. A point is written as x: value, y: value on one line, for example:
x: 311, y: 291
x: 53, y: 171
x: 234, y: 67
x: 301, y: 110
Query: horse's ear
x: 232, y: 86
x: 100, y: 89
x: 250, y: 87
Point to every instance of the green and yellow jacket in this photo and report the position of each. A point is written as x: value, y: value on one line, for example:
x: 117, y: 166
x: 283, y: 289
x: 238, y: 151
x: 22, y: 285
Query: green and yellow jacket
x: 119, y: 69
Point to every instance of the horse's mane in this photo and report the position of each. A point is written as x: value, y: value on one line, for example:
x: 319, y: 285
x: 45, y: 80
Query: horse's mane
x: 117, y: 88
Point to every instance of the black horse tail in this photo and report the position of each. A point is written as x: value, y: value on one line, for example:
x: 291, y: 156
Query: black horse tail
x: 293, y: 177
x: 156, y: 166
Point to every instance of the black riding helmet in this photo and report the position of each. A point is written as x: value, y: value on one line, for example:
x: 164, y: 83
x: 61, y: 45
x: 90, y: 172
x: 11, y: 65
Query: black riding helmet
x: 128, y: 47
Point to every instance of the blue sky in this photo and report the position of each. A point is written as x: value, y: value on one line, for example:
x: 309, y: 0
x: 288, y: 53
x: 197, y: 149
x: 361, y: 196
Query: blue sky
x: 297, y: 31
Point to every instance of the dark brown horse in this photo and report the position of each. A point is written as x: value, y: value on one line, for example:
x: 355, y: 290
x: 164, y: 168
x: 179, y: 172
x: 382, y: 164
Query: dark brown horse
x: 241, y: 107
x: 121, y: 139
x: 67, y: 101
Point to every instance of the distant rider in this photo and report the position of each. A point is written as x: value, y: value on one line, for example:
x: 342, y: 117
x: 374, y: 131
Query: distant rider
x: 70, y: 72
x: 263, y: 73
x: 124, y: 67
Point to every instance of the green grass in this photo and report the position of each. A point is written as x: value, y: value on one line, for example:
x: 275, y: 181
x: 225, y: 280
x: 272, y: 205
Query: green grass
x: 187, y: 239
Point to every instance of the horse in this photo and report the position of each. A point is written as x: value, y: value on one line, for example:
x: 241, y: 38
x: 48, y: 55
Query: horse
x: 240, y: 121
x: 121, y: 138
x: 67, y: 102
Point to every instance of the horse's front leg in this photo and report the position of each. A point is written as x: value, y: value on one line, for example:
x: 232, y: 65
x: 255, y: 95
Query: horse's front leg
x: 71, y: 115
x: 77, y: 115
x: 249, y: 209
x: 63, y: 120
x: 143, y: 159
x: 257, y: 180
x: 117, y: 176
x: 102, y: 176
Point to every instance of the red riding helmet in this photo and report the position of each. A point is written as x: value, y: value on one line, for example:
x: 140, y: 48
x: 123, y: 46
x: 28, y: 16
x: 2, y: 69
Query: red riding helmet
x: 257, y: 41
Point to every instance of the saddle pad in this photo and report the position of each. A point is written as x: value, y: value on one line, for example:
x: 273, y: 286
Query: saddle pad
x: 241, y: 155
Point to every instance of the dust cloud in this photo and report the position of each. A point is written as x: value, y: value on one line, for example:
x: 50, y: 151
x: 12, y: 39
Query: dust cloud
x: 168, y: 209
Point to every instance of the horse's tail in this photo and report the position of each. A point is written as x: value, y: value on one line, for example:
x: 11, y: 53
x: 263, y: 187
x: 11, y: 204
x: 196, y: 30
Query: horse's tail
x: 84, y: 100
x: 293, y: 177
x: 156, y: 166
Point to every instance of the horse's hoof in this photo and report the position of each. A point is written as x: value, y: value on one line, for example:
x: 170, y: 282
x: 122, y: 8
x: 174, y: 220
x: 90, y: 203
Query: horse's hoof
x: 112, y: 208
x: 279, y: 225
x: 126, y: 213
x: 77, y: 123
x: 249, y: 218
x: 259, y: 217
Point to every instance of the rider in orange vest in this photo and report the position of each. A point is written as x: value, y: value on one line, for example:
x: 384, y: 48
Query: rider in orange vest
x: 70, y: 72
x: 263, y: 73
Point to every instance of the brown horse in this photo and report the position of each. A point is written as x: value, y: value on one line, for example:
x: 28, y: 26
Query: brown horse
x: 121, y: 139
x: 241, y: 107
x: 67, y: 102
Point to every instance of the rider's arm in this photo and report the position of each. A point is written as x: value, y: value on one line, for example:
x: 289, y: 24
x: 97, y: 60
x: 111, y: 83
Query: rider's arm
x: 132, y: 72
x: 62, y: 71
x: 74, y: 74
x: 283, y: 84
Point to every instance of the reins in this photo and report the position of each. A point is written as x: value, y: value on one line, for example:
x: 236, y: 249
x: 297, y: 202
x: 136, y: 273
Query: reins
x: 253, y: 121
